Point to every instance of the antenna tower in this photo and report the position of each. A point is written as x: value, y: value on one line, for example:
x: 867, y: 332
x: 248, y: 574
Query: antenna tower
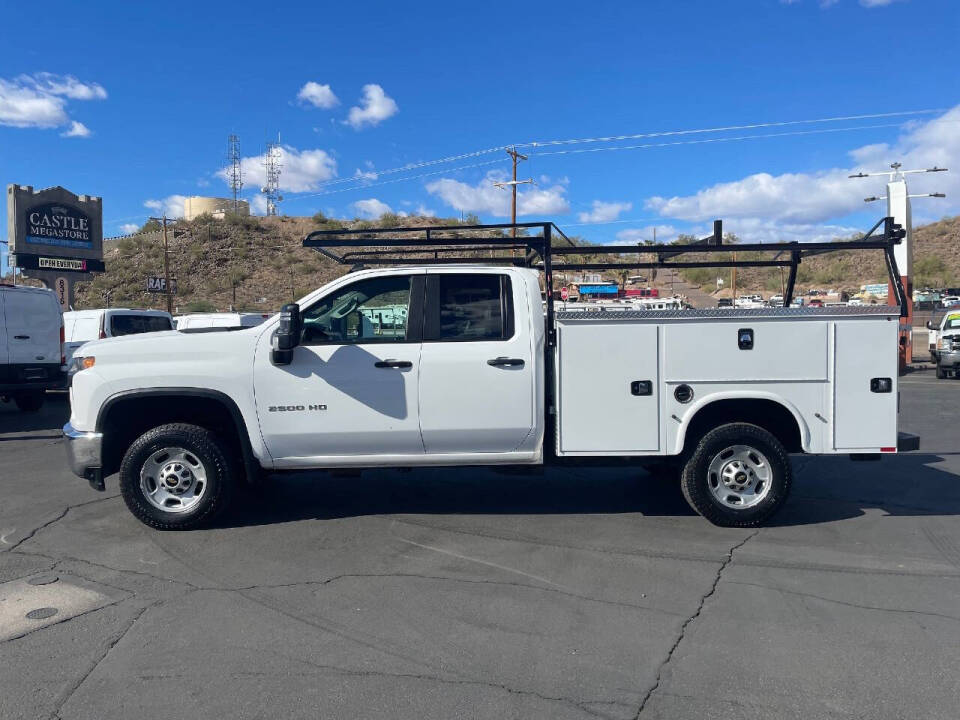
x: 234, y: 172
x: 271, y: 161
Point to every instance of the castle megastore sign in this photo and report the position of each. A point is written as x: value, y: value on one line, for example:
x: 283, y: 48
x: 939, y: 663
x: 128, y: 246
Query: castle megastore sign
x: 58, y: 225
x: 41, y: 262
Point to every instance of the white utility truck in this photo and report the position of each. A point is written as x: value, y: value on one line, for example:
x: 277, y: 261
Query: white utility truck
x: 449, y: 361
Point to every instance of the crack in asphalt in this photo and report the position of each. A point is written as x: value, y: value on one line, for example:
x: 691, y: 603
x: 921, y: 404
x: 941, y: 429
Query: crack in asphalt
x: 114, y: 640
x: 420, y: 576
x: 683, y: 628
x: 845, y: 602
x: 58, y: 518
x: 654, y: 554
x: 352, y: 672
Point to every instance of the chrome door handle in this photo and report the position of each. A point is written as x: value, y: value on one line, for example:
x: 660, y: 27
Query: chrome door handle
x: 506, y: 362
x: 21, y: 337
x: 393, y: 364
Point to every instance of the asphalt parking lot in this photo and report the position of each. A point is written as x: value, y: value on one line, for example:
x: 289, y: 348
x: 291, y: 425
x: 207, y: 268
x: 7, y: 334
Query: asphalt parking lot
x: 438, y: 594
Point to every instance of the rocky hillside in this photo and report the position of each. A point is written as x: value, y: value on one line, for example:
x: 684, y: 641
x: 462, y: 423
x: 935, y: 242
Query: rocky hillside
x: 936, y: 264
x: 258, y: 263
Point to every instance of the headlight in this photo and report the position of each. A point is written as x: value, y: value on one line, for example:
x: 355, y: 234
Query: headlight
x: 83, y: 363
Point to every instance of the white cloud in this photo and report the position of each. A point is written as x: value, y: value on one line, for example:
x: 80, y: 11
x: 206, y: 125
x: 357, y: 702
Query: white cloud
x: 365, y: 174
x: 375, y: 107
x: 258, y: 204
x: 371, y: 208
x: 40, y: 100
x: 604, y: 211
x: 484, y: 197
x: 425, y: 211
x: 171, y: 206
x: 77, y: 129
x: 318, y: 95
x: 64, y: 85
x: 797, y: 199
x: 129, y: 228
x: 301, y: 170
x: 877, y: 3
x: 665, y: 234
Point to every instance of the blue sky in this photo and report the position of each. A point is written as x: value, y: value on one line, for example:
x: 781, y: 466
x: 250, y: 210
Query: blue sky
x: 134, y: 103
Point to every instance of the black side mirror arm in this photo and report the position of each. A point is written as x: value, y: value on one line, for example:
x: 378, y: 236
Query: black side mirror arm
x: 287, y: 336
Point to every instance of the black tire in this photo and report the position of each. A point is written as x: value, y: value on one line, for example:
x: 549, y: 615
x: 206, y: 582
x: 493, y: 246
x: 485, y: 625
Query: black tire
x: 202, y: 446
x: 941, y: 373
x: 695, y: 480
x: 30, y: 402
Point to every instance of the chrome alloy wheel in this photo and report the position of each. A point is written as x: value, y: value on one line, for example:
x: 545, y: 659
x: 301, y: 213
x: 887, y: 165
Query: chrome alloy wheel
x: 739, y: 476
x: 173, y: 479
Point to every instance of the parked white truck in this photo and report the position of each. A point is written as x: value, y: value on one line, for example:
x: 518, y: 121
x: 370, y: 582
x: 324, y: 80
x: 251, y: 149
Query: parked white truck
x: 470, y: 371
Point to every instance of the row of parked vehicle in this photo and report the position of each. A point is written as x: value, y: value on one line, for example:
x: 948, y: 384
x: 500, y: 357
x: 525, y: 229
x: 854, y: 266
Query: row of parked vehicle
x: 38, y: 343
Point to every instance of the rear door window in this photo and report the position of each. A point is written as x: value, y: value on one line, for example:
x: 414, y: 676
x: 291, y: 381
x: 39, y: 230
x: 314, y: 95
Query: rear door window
x: 465, y: 307
x: 136, y: 324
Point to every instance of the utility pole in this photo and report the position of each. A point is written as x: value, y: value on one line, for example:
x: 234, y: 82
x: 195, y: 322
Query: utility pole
x: 515, y: 156
x: 898, y: 207
x: 166, y: 262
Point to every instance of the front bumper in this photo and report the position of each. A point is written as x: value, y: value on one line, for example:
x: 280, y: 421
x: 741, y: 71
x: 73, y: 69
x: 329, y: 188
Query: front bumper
x: 948, y: 359
x: 85, y: 454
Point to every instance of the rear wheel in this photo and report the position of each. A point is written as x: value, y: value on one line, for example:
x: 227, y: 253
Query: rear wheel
x: 30, y: 402
x: 176, y: 477
x: 738, y: 475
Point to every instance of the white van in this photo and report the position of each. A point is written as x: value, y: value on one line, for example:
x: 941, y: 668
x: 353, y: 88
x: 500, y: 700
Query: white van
x: 82, y: 326
x: 208, y: 320
x: 31, y: 345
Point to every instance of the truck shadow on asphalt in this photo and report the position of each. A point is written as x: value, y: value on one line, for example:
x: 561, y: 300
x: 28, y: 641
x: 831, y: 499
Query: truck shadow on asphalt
x: 825, y: 489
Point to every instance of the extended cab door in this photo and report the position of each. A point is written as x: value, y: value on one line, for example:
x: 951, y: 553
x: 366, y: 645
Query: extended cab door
x: 350, y: 391
x: 477, y: 370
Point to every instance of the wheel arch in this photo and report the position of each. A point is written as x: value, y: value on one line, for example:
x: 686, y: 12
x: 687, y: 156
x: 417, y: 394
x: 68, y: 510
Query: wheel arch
x: 126, y: 415
x: 773, y: 413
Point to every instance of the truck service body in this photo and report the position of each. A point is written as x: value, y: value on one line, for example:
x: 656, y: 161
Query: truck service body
x: 458, y: 364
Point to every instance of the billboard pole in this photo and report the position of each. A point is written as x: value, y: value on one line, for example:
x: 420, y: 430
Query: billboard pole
x: 166, y: 263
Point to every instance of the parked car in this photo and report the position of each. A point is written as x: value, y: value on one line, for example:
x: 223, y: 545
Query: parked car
x: 815, y: 303
x: 208, y: 320
x: 950, y: 301
x: 82, y: 326
x: 31, y: 345
x: 775, y: 301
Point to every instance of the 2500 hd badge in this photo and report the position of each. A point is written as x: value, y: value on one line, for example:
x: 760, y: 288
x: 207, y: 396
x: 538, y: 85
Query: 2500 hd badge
x: 294, y: 408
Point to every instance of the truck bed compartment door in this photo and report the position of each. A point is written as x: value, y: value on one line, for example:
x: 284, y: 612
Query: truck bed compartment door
x: 609, y: 388
x: 865, y: 409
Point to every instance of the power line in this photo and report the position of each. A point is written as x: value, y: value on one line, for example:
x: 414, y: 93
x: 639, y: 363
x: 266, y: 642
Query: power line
x: 403, y: 179
x: 734, y: 138
x: 752, y: 126
x: 613, y: 138
x: 604, y: 149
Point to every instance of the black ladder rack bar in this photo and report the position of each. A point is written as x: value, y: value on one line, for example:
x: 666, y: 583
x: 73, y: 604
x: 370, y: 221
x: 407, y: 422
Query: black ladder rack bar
x: 409, y: 245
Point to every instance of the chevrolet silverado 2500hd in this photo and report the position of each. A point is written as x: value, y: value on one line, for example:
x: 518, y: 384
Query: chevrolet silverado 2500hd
x: 457, y: 364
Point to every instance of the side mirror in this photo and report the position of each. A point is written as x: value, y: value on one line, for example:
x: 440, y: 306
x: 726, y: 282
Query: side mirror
x: 930, y: 325
x: 287, y: 336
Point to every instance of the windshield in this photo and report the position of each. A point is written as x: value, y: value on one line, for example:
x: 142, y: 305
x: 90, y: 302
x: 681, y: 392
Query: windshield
x: 135, y: 324
x: 952, y: 323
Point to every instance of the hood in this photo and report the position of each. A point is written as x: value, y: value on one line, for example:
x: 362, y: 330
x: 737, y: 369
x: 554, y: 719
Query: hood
x: 171, y: 343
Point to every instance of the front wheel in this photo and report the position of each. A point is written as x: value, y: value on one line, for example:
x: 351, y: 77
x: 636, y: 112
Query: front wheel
x: 176, y: 477
x: 941, y: 373
x: 738, y: 475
